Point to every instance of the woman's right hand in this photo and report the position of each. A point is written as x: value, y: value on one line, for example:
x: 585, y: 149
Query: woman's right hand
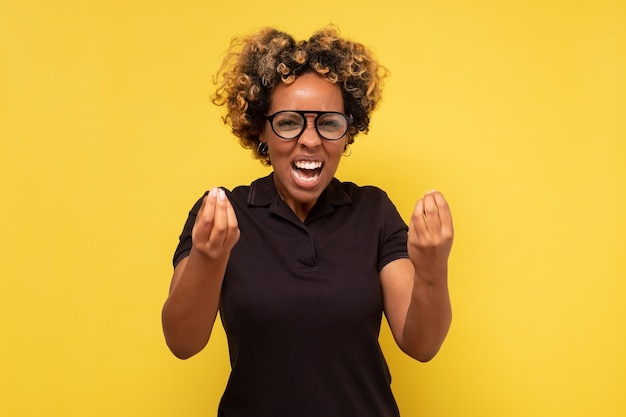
x: 216, y: 230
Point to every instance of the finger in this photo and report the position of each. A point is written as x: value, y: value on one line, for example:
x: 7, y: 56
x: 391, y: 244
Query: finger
x: 431, y: 212
x: 445, y: 215
x: 418, y: 219
x: 204, y: 219
x: 232, y: 217
x: 220, y: 220
x: 418, y: 213
x: 233, y: 224
x: 209, y: 213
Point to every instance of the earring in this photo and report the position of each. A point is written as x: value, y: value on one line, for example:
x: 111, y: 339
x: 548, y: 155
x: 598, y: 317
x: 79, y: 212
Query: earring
x: 262, y: 148
x: 347, y: 149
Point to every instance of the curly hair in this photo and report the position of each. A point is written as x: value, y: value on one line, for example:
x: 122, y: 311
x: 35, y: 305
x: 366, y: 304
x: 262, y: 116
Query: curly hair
x: 255, y: 64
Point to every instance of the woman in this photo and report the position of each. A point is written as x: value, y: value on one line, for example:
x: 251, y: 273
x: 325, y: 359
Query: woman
x: 300, y: 265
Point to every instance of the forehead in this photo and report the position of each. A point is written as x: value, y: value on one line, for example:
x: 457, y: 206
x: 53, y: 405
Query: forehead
x: 308, y: 92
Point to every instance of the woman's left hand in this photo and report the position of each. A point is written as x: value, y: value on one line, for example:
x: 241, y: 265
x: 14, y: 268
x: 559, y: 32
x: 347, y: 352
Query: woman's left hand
x: 430, y: 236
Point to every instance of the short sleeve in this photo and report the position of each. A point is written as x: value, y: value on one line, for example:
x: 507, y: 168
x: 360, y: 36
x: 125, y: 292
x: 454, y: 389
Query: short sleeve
x: 184, y: 241
x: 393, y: 237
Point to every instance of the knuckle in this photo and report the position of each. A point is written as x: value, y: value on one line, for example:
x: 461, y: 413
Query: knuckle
x: 219, y: 231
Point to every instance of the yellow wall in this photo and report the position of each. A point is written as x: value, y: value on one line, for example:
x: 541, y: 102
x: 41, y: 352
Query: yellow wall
x: 516, y: 110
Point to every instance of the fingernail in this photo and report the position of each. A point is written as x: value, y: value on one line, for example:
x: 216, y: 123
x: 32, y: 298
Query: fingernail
x: 222, y: 194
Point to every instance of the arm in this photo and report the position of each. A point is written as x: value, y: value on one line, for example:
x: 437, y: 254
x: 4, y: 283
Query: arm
x: 191, y: 307
x: 415, y: 290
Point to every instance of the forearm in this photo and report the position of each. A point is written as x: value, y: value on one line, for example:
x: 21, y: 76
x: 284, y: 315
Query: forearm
x: 191, y: 308
x: 429, y: 313
x: 428, y: 318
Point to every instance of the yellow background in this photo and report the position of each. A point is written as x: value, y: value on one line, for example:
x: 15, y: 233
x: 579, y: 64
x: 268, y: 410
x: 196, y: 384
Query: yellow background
x: 515, y: 110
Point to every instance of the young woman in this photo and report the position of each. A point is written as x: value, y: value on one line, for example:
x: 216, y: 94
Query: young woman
x: 300, y: 265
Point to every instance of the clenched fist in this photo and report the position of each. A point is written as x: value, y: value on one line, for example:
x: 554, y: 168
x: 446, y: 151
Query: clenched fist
x: 430, y: 236
x: 215, y: 231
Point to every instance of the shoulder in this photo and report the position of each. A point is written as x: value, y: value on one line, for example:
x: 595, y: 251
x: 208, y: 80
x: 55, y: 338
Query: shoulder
x: 362, y: 193
x: 261, y: 192
x: 372, y: 201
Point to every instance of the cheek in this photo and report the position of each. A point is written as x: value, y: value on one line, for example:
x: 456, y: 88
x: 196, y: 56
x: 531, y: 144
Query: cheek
x: 337, y: 150
x: 279, y: 149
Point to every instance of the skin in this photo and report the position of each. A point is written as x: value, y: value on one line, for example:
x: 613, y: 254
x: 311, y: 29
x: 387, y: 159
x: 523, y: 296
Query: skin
x: 415, y: 290
x: 308, y: 92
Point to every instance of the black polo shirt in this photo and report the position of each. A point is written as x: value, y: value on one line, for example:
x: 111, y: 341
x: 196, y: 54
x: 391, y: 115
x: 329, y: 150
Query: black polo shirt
x: 301, y: 302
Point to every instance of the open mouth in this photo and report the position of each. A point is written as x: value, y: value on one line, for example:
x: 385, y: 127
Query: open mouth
x: 307, y: 171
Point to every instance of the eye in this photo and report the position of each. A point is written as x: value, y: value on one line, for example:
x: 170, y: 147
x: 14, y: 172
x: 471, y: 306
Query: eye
x: 287, y: 121
x: 330, y: 122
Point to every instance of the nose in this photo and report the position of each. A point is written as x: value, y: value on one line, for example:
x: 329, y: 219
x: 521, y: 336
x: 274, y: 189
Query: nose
x: 309, y: 137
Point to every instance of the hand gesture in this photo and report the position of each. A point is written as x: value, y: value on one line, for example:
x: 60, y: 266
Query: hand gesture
x: 430, y: 236
x: 215, y: 231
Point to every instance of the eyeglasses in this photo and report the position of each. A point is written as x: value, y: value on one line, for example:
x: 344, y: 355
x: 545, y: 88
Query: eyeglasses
x: 289, y: 124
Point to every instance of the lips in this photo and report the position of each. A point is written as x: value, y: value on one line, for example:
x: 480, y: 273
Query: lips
x: 307, y: 172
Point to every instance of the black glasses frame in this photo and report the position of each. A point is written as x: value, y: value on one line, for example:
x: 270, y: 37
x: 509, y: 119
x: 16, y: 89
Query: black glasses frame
x: 302, y: 113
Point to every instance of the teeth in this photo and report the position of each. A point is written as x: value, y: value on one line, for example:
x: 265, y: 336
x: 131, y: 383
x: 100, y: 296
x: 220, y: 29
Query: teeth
x: 308, y: 165
x: 305, y: 178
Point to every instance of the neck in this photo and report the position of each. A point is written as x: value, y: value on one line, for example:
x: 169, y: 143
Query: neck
x: 300, y: 209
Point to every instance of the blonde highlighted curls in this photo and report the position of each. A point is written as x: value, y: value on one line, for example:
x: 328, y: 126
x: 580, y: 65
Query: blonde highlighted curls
x: 255, y: 64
